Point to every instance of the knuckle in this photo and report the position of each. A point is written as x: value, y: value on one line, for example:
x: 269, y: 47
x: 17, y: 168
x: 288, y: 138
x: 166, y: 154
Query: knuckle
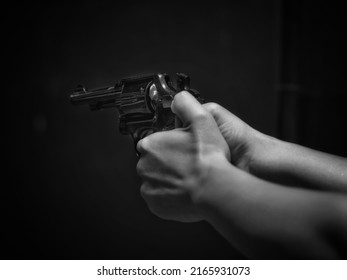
x: 155, y: 201
x: 139, y: 146
x: 140, y: 168
x: 143, y: 190
x: 143, y: 145
x: 202, y: 116
x: 146, y: 191
x: 212, y: 107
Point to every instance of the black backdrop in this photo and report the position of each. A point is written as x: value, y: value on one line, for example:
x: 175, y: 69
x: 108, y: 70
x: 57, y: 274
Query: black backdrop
x: 70, y: 189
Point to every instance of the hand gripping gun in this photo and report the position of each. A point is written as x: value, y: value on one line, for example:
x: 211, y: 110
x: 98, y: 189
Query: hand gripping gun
x: 143, y: 102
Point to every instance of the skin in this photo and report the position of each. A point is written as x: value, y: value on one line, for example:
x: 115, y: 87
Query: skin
x: 268, y: 198
x: 279, y: 161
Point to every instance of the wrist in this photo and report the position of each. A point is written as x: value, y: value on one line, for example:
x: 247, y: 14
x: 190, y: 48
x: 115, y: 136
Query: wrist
x: 256, y: 149
x: 269, y: 158
x: 216, y: 183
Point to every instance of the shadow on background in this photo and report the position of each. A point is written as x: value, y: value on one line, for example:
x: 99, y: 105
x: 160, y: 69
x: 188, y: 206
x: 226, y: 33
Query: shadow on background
x: 70, y: 186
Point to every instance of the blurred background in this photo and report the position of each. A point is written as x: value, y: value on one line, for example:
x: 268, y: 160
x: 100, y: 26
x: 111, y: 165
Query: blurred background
x: 70, y: 189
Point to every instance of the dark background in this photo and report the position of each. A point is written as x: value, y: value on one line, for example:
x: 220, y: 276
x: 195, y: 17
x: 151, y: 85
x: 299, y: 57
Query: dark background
x: 70, y: 189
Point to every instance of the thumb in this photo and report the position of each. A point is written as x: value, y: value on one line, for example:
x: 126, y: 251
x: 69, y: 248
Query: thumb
x: 222, y: 116
x: 219, y: 113
x: 187, y: 108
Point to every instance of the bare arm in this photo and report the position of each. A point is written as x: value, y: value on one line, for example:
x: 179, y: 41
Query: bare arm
x: 188, y: 176
x: 296, y: 165
x: 279, y: 161
x: 265, y: 220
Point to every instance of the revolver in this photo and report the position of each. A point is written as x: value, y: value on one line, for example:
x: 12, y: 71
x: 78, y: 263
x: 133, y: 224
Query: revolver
x: 143, y: 102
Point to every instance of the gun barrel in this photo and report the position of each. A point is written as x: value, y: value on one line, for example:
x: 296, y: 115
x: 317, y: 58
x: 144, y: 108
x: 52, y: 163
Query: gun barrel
x: 109, y: 96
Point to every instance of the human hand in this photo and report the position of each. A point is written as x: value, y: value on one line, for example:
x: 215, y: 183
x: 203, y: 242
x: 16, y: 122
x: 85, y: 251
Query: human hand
x: 174, y: 164
x: 244, y: 142
x: 278, y: 161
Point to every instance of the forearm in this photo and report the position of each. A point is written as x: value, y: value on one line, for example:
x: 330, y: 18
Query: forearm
x: 264, y: 220
x: 290, y: 164
x: 278, y: 161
